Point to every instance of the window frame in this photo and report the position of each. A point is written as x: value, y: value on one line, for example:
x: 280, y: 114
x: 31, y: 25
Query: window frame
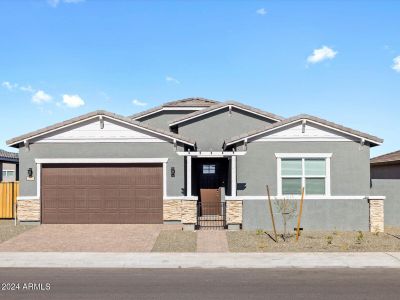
x: 303, y: 157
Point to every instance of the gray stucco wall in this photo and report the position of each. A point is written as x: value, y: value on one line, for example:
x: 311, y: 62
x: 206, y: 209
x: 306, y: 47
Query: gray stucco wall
x: 317, y: 215
x: 211, y: 130
x: 350, y: 172
x: 162, y: 119
x: 175, y: 185
x: 385, y: 181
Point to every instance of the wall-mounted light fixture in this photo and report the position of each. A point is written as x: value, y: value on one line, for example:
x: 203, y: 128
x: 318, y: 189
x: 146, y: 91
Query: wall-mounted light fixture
x: 30, y: 172
x: 172, y: 171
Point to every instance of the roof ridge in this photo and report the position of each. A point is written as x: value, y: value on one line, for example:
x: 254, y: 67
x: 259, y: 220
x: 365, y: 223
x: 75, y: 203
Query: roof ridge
x: 224, y: 104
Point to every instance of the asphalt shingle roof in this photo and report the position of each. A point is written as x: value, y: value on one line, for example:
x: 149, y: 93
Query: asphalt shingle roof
x: 98, y: 113
x: 187, y: 102
x: 8, y: 155
x: 392, y: 157
x: 305, y: 117
x: 226, y: 104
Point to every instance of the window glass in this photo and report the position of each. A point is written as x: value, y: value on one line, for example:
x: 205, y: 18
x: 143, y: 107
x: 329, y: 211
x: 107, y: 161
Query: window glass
x: 315, y: 186
x: 291, y: 186
x: 314, y: 167
x: 291, y: 167
x: 208, y: 169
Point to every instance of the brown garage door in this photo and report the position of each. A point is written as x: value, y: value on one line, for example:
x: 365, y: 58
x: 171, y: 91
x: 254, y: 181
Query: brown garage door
x: 102, y: 194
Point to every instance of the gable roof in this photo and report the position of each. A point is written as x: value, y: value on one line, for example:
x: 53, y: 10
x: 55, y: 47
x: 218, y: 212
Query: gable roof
x: 392, y: 157
x: 15, y: 141
x: 8, y: 156
x: 196, y: 102
x: 370, y: 138
x: 223, y: 105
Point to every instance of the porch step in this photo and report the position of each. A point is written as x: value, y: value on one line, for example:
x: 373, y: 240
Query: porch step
x: 212, y: 241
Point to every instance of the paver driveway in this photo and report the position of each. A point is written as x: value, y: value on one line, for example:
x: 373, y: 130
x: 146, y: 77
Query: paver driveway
x: 87, y: 237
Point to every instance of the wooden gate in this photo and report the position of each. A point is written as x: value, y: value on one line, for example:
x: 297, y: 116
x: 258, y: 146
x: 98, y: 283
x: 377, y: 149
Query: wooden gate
x: 9, y: 192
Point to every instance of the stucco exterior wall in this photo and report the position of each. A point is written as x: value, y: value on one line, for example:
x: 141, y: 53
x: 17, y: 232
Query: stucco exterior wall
x: 212, y: 129
x: 385, y: 181
x: 175, y: 185
x: 317, y: 215
x: 350, y: 173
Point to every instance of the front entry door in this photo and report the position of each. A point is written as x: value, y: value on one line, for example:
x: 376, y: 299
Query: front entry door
x: 211, y: 179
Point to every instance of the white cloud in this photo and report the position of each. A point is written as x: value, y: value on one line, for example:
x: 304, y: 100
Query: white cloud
x: 396, y: 64
x: 8, y: 85
x: 73, y: 101
x: 261, y: 11
x: 138, y: 102
x: 172, y: 79
x: 41, y: 97
x: 321, y: 54
x: 27, y: 88
x: 55, y: 3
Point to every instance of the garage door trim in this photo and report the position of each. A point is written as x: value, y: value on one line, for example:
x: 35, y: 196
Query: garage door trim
x: 40, y: 161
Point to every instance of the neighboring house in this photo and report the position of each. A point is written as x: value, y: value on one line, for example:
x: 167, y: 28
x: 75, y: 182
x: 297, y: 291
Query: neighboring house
x: 8, y: 166
x: 196, y: 161
x: 385, y: 180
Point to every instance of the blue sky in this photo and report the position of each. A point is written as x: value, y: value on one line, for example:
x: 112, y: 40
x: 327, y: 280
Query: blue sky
x: 333, y: 59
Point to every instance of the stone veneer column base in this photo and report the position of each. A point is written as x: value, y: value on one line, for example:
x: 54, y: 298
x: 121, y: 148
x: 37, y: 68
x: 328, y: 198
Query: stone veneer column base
x: 172, y: 210
x: 234, y: 214
x: 28, y: 210
x: 376, y: 215
x: 189, y: 214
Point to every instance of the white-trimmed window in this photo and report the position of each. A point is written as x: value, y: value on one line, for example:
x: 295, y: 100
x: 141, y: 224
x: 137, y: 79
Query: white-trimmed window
x: 208, y: 169
x: 308, y: 170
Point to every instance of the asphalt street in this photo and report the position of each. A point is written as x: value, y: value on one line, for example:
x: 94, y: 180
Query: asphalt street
x: 200, y: 283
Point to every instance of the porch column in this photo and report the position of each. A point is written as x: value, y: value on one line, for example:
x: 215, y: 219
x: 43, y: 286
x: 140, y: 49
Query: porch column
x: 188, y: 175
x: 233, y: 176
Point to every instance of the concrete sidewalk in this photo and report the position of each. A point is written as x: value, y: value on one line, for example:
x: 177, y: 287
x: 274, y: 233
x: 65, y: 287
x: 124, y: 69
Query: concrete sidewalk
x: 198, y: 260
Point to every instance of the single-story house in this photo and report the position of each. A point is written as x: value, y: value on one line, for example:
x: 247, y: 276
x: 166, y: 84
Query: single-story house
x: 385, y: 180
x: 8, y: 166
x: 198, y: 162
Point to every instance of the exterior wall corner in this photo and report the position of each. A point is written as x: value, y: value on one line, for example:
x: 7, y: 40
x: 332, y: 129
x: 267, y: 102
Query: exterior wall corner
x: 376, y: 214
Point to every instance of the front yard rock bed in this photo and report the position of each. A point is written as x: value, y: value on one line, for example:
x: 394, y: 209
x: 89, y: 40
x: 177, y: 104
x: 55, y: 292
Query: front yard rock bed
x: 314, y: 241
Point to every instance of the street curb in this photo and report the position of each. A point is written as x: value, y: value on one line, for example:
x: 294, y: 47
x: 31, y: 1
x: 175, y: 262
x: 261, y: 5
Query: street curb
x: 199, y: 260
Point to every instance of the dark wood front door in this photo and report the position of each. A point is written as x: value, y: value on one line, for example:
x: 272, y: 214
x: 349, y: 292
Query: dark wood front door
x: 102, y: 194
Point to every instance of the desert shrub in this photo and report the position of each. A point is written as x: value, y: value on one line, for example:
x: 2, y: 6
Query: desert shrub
x: 329, y: 239
x: 360, y: 237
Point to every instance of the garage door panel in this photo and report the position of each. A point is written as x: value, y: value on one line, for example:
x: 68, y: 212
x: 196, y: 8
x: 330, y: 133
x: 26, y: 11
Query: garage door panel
x: 97, y: 194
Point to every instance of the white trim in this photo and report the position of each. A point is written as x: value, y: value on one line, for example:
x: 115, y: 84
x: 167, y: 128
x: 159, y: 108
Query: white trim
x: 233, y: 176
x: 190, y: 198
x: 99, y: 160
x: 303, y: 155
x: 170, y: 108
x: 164, y: 179
x: 301, y: 120
x: 211, y: 153
x: 376, y: 197
x: 104, y: 116
x: 222, y: 107
x: 188, y: 176
x: 28, y: 198
x: 308, y: 139
x: 298, y: 197
x: 40, y: 161
x: 124, y: 140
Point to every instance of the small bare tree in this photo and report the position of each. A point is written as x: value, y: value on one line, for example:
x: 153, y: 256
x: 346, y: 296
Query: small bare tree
x: 287, y: 208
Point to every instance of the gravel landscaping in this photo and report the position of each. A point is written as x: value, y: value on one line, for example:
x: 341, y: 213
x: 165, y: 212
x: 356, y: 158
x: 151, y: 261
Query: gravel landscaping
x: 8, y: 230
x: 175, y: 241
x: 314, y: 241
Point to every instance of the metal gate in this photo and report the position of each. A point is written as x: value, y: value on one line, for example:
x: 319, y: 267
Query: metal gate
x: 211, y: 216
